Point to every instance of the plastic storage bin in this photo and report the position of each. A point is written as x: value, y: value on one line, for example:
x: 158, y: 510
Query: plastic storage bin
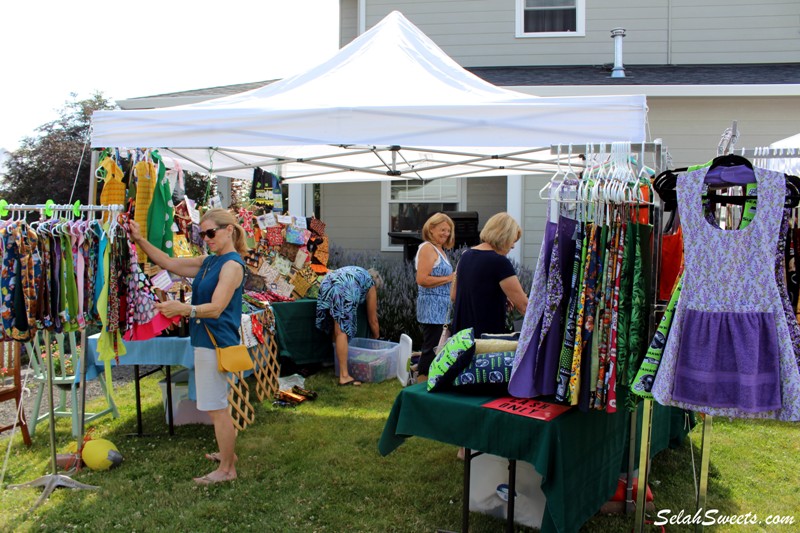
x: 184, y: 410
x: 370, y: 360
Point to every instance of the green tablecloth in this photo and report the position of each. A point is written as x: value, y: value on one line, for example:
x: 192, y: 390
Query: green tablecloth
x: 297, y: 336
x: 579, y: 455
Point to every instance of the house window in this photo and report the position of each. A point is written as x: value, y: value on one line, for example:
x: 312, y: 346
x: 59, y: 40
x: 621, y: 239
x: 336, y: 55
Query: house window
x: 407, y: 205
x: 551, y: 18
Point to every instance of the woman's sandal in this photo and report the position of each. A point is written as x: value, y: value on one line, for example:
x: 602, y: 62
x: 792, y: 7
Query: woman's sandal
x: 214, y: 456
x: 208, y: 480
x: 354, y: 382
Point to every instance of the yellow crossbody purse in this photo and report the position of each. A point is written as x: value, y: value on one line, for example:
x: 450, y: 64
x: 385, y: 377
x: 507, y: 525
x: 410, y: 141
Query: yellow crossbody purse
x: 233, y: 358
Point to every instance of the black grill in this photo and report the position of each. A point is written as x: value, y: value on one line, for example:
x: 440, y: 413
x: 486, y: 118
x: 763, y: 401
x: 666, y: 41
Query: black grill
x: 466, y: 230
x: 466, y: 225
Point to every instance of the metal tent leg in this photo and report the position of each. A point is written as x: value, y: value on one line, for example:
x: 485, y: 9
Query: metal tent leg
x: 644, y: 461
x: 705, y: 453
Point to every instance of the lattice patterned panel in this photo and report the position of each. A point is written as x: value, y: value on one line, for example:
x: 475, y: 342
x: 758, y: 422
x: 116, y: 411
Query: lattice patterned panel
x: 267, y: 369
x: 264, y: 354
x: 241, y: 409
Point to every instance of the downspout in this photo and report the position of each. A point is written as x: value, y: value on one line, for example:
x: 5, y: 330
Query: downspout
x: 669, y: 32
x: 362, y: 16
x: 515, y: 208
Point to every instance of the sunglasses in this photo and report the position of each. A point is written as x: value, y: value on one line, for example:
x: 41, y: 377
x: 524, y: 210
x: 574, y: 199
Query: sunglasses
x: 211, y: 232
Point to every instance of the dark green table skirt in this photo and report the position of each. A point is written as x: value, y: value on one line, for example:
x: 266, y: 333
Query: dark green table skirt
x: 299, y: 339
x: 579, y: 455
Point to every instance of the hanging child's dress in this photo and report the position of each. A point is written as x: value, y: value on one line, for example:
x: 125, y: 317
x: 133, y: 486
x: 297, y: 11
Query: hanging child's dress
x: 729, y: 352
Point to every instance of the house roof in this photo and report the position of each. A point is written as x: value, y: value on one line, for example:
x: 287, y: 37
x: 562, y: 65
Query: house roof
x: 221, y: 90
x: 723, y: 74
x: 727, y: 74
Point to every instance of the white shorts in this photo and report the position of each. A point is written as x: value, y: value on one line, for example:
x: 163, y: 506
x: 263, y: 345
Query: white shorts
x: 212, y: 387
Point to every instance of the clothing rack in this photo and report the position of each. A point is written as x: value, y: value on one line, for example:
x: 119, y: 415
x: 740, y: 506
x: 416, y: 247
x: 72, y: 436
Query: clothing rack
x: 705, y: 446
x: 656, y: 214
x: 54, y: 480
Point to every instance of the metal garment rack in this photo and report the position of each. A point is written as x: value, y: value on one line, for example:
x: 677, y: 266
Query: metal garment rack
x: 705, y: 446
x: 49, y: 482
x: 656, y: 149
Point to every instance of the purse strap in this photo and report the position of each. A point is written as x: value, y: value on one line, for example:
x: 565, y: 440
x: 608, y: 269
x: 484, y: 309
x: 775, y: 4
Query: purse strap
x: 211, y: 336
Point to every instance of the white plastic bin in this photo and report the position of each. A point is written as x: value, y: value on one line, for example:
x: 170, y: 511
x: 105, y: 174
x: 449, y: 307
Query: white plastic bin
x: 488, y: 490
x: 184, y: 410
x: 370, y: 360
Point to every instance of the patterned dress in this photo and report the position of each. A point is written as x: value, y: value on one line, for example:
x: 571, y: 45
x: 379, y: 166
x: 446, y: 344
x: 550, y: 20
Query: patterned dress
x: 433, y: 303
x: 340, y: 294
x: 729, y: 352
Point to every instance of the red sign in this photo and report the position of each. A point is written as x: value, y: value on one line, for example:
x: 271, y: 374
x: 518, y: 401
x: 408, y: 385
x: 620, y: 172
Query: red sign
x: 528, y: 407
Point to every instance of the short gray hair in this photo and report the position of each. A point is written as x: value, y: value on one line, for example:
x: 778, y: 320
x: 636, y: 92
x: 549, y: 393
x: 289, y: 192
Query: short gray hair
x: 376, y: 277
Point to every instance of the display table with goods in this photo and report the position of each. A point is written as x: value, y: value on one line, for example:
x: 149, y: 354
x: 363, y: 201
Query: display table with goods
x: 287, y: 258
x: 167, y: 352
x: 578, y: 455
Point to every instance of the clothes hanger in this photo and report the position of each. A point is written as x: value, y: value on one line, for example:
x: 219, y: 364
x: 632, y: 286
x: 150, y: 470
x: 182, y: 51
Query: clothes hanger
x: 547, y: 186
x: 730, y: 169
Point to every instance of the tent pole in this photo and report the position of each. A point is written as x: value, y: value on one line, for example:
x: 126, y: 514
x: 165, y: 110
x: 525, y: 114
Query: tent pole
x: 92, y: 179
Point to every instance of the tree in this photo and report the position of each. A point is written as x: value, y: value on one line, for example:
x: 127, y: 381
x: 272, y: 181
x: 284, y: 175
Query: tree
x: 46, y: 166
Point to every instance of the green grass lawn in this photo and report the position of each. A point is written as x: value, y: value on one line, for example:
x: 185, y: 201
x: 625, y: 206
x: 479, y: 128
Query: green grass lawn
x: 317, y: 468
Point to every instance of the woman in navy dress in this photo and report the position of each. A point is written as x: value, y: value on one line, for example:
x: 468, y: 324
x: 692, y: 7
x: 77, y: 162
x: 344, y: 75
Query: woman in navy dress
x: 486, y: 281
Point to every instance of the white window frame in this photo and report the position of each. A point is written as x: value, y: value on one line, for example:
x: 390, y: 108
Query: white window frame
x: 580, y: 23
x: 386, y: 246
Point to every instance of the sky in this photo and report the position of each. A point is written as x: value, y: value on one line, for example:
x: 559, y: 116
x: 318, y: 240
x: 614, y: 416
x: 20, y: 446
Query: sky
x: 126, y: 49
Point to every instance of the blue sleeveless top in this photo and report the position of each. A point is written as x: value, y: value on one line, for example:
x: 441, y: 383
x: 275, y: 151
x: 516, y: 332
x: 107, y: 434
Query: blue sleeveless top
x: 225, y: 328
x: 433, y: 303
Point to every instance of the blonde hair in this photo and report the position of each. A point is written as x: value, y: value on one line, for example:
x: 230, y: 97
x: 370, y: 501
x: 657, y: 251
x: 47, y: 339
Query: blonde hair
x: 223, y: 217
x: 434, y: 220
x: 501, y: 232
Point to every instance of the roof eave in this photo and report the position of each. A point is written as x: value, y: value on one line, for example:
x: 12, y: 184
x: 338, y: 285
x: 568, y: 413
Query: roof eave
x: 674, y: 91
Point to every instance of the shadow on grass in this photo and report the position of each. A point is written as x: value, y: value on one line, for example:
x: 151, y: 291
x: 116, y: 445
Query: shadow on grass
x: 312, y: 468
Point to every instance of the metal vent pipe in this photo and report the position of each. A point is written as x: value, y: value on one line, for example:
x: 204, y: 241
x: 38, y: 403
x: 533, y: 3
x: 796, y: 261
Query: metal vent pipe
x: 618, y: 71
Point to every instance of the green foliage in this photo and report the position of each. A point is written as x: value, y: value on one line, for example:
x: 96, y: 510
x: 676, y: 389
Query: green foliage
x: 397, y: 301
x: 46, y: 165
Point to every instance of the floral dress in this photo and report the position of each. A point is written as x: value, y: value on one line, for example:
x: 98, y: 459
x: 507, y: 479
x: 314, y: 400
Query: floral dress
x: 340, y: 294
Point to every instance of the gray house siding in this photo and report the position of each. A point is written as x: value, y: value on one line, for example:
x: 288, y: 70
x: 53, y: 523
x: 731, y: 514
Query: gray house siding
x: 352, y: 211
x: 691, y: 127
x: 348, y: 21
x: 487, y: 196
x: 482, y: 32
x: 534, y: 219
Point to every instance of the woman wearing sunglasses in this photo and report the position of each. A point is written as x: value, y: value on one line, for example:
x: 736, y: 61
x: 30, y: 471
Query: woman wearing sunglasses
x: 216, y: 305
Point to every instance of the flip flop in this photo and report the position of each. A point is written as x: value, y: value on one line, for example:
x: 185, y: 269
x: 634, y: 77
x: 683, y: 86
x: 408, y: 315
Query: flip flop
x: 207, y: 480
x: 353, y: 382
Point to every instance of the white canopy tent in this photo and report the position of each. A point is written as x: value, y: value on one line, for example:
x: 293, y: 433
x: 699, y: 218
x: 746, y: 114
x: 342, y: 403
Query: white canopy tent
x: 389, y: 105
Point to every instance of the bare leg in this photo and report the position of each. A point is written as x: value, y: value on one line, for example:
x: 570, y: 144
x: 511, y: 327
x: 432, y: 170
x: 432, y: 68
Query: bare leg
x: 340, y: 339
x: 226, y: 440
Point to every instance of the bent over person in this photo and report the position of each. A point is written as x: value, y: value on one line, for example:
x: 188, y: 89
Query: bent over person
x: 340, y: 294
